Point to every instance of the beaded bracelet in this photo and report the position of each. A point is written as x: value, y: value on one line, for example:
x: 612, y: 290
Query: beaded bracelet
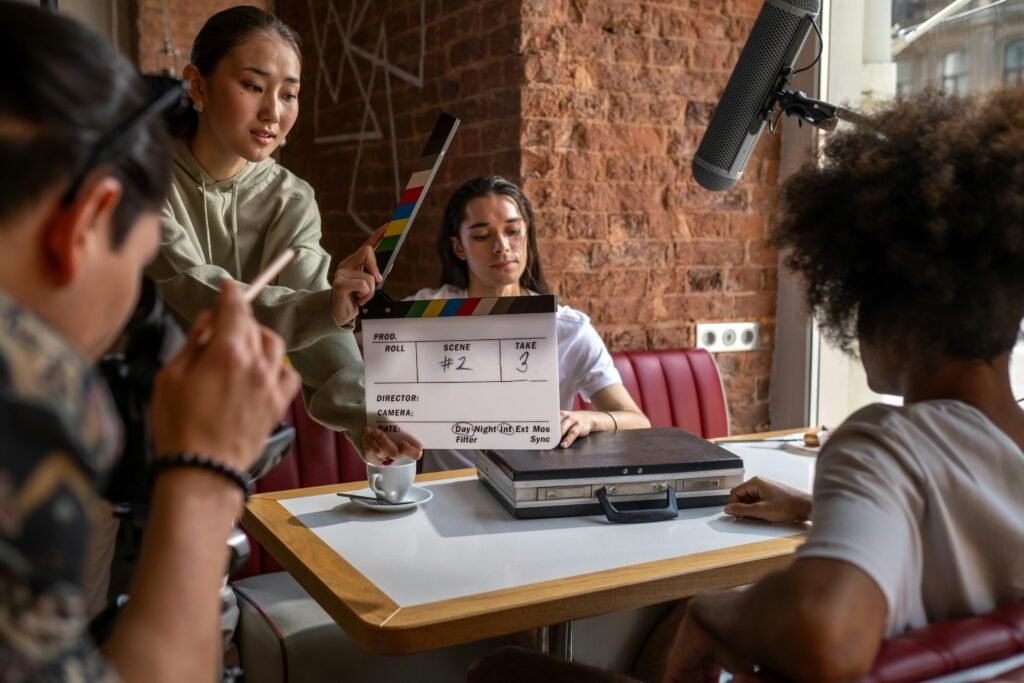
x: 204, y: 462
x: 614, y: 421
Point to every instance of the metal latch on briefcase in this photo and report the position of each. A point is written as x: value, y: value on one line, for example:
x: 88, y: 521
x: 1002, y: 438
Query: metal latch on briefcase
x: 636, y: 489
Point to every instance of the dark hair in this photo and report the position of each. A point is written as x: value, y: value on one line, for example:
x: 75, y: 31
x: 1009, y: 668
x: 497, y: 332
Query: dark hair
x: 221, y: 33
x: 455, y: 271
x: 68, y: 88
x: 912, y: 230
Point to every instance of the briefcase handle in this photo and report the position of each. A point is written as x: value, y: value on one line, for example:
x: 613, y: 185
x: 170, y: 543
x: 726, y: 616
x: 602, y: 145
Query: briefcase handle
x: 670, y: 511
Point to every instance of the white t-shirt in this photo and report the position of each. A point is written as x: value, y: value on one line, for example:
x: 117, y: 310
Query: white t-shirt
x: 584, y: 367
x: 928, y: 500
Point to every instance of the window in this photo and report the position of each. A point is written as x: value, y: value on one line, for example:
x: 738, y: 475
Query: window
x: 1013, y: 67
x: 877, y: 49
x: 955, y: 72
x: 904, y: 79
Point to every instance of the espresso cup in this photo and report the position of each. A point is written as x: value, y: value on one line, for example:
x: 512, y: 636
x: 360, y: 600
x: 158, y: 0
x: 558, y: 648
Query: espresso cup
x: 392, y: 482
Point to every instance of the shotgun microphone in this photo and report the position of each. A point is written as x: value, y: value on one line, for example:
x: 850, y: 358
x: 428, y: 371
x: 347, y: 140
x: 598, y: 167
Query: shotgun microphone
x: 761, y: 74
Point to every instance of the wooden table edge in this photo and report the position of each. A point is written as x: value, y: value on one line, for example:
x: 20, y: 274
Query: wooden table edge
x: 761, y: 436
x: 339, y: 588
x: 387, y: 628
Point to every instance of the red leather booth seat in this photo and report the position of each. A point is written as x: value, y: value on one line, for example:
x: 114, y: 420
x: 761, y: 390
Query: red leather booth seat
x: 949, y: 647
x: 674, y: 387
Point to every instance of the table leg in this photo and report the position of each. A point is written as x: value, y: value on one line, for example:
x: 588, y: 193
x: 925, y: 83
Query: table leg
x: 556, y: 640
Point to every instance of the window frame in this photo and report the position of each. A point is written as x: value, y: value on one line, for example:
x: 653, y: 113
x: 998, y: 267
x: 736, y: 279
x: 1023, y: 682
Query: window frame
x: 812, y: 382
x: 1011, y: 45
x: 961, y: 78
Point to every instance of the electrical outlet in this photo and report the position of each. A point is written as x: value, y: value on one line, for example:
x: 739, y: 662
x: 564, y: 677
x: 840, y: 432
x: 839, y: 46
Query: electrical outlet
x: 728, y: 336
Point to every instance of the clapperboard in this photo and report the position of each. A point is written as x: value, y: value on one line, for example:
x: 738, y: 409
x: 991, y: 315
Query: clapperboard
x: 458, y: 373
x: 412, y: 196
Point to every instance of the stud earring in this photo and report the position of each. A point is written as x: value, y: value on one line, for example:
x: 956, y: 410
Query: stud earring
x: 284, y: 141
x: 198, y: 106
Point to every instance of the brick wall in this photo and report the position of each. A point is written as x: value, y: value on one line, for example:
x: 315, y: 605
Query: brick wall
x: 186, y: 17
x: 595, y: 106
x: 616, y: 96
x: 367, y: 109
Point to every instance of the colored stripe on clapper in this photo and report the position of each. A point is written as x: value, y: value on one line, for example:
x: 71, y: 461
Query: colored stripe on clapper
x: 413, y: 194
x: 457, y: 308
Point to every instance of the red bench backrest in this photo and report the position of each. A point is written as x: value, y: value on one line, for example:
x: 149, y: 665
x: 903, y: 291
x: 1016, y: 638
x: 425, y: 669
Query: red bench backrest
x: 675, y: 388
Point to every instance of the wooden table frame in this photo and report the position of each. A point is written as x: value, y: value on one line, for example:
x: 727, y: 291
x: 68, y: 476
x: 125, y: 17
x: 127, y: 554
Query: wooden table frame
x: 377, y: 624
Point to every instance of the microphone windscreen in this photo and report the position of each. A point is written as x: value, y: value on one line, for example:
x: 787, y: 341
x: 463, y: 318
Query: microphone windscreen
x: 774, y: 42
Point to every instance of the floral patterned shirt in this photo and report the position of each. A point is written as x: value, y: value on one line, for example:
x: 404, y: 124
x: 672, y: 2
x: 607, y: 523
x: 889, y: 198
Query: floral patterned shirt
x: 59, y: 436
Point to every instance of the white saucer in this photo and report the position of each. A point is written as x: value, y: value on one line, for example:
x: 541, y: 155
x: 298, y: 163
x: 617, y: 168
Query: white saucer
x: 416, y: 496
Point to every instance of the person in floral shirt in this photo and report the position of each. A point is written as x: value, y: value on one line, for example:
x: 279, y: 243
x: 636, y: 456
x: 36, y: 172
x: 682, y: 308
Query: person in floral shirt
x: 85, y: 168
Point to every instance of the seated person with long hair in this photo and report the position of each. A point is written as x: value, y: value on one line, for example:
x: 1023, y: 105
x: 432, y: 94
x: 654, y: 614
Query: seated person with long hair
x: 488, y: 247
x: 910, y: 241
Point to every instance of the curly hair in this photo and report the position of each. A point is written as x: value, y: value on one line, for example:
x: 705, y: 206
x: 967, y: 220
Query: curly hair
x: 911, y: 231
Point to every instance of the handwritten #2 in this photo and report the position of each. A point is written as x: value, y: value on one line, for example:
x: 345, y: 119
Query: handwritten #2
x: 464, y: 373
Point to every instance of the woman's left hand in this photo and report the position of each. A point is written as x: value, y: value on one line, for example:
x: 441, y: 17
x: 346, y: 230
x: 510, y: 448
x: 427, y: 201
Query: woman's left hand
x: 380, y: 448
x: 575, y: 423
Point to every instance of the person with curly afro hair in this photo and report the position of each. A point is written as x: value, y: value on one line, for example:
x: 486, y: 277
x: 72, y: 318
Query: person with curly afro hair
x: 909, y: 239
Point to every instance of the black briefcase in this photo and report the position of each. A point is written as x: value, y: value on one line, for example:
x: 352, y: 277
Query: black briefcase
x: 637, y: 475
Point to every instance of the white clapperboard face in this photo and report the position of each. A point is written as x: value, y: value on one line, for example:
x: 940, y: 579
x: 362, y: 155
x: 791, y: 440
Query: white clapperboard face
x: 457, y: 373
x: 463, y: 373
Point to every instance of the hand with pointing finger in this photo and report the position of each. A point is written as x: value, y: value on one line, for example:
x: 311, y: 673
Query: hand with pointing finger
x: 355, y: 280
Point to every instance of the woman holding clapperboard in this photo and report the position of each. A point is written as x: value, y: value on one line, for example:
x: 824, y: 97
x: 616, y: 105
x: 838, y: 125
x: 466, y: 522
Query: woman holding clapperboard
x: 488, y: 247
x: 233, y: 209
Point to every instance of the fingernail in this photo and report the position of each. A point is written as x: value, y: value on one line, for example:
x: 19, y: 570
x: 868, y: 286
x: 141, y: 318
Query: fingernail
x: 388, y: 462
x: 729, y: 509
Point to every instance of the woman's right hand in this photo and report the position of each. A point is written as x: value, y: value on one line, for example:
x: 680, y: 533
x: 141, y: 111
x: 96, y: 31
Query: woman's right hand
x: 768, y: 500
x: 223, y: 398
x: 355, y: 280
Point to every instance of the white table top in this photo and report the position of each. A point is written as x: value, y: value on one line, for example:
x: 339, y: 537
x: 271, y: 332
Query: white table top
x: 464, y: 543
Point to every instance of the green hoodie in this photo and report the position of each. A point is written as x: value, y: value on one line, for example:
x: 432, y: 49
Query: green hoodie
x: 233, y: 228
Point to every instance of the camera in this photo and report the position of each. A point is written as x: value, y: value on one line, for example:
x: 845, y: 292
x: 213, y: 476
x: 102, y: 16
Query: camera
x: 151, y: 338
